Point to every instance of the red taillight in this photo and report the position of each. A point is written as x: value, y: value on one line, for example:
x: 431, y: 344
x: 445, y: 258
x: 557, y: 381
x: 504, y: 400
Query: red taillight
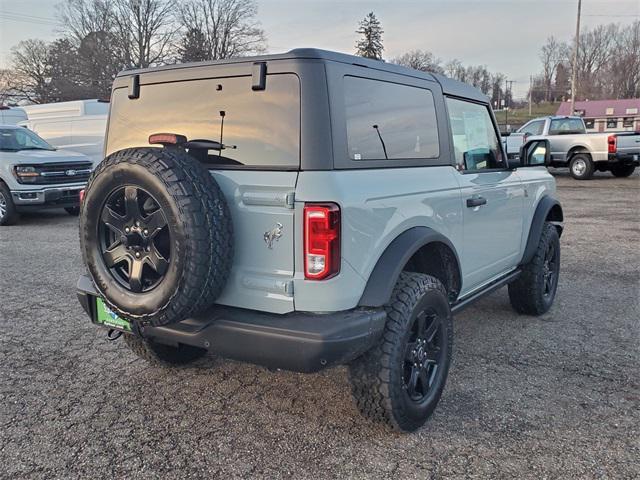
x: 321, y: 241
x: 612, y: 142
x: 81, y: 195
x: 167, y: 139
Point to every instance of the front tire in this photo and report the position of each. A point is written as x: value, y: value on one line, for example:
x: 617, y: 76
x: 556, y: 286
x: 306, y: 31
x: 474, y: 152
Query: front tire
x: 533, y: 292
x: 622, y: 170
x: 581, y: 166
x: 8, y: 214
x: 400, y: 380
x: 160, y: 354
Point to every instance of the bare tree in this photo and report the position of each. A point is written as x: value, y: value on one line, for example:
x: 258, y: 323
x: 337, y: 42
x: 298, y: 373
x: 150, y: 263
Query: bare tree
x: 552, y: 54
x: 7, y: 93
x: 608, y: 65
x: 370, y: 45
x: 221, y: 29
x: 624, y: 67
x: 80, y: 18
x: 422, y: 60
x: 594, y: 55
x: 30, y: 63
x: 145, y: 30
x: 562, y: 84
x: 497, y: 81
x: 480, y: 77
x: 455, y: 69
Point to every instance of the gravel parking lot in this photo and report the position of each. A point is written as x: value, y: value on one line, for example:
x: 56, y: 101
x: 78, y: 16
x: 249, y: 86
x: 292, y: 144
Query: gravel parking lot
x: 556, y: 396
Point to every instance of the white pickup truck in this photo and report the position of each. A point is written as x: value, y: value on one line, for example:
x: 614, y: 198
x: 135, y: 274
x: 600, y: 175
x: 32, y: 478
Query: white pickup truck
x: 571, y: 146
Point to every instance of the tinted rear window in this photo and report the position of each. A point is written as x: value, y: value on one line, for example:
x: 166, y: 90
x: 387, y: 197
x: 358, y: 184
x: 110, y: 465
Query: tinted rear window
x: 566, y: 126
x: 387, y: 116
x: 261, y: 128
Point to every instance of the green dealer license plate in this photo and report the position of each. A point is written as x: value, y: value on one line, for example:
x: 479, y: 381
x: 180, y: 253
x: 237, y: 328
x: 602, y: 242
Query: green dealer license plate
x: 106, y: 317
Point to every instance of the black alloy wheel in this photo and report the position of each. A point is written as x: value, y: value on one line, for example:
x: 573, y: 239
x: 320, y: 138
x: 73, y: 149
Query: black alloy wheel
x: 400, y: 380
x: 156, y: 235
x: 135, y: 239
x: 423, y: 355
x: 534, y: 291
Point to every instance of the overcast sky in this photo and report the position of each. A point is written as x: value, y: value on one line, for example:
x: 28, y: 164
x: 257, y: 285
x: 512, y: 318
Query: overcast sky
x: 505, y: 35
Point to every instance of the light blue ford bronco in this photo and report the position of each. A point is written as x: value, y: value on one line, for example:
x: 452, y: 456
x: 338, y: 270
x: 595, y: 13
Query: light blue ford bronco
x: 309, y: 209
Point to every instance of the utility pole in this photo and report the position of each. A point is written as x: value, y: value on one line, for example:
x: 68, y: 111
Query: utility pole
x: 574, y: 73
x: 530, y: 90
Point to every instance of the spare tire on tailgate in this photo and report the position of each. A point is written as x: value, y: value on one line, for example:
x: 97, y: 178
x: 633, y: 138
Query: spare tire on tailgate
x: 156, y: 235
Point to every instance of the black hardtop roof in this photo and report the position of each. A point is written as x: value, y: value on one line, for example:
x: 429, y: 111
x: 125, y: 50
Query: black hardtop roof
x: 449, y: 86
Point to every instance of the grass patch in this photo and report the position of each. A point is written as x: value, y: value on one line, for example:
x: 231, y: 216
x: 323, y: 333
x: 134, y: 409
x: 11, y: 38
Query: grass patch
x: 519, y: 116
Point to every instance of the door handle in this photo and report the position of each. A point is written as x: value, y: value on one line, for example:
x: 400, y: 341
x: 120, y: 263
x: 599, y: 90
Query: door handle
x: 476, y: 202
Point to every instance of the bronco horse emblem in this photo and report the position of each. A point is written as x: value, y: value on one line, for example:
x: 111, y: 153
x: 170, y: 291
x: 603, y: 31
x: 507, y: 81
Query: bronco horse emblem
x: 273, y: 235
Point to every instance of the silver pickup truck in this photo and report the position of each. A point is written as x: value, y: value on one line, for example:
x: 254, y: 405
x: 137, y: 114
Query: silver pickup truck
x: 584, y: 153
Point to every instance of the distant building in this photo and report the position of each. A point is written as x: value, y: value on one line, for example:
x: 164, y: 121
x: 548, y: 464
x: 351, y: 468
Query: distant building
x: 606, y: 115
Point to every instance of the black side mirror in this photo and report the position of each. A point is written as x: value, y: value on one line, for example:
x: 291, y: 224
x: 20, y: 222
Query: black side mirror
x: 535, y: 153
x: 514, y: 163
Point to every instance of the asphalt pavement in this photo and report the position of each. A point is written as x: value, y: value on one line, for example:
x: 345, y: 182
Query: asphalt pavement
x: 551, y: 397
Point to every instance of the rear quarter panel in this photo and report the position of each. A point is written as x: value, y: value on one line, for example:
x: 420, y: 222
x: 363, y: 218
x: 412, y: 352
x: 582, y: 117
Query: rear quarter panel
x: 376, y: 206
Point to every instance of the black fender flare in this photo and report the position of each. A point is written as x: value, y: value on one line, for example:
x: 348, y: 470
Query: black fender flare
x: 537, y: 224
x: 385, y: 274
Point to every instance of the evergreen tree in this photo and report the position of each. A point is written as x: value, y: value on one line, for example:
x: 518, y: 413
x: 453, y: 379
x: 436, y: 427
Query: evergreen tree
x: 193, y: 46
x: 370, y: 45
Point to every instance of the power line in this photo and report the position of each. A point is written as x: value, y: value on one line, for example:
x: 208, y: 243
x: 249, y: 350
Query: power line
x: 5, y: 16
x: 19, y: 14
x: 634, y: 16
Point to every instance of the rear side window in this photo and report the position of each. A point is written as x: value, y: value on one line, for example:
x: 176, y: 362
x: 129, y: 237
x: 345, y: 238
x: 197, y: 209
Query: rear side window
x: 261, y: 128
x: 534, y: 128
x: 389, y: 121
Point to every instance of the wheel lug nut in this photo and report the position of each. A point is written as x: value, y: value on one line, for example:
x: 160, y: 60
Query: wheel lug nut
x: 137, y: 223
x: 148, y: 249
x: 146, y: 232
x: 137, y: 254
x: 127, y: 229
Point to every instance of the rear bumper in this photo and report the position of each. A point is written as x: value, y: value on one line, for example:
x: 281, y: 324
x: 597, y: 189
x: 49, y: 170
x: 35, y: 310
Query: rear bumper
x: 50, y: 197
x: 298, y: 341
x: 624, y: 159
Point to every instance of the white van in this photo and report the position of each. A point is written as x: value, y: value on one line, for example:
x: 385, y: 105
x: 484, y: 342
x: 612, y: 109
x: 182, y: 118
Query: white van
x: 78, y: 126
x: 12, y: 115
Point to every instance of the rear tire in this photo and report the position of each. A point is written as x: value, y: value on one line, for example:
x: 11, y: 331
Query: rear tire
x: 400, y: 380
x: 622, y: 170
x: 73, y: 211
x: 533, y: 292
x: 8, y: 214
x: 156, y: 235
x: 160, y: 354
x: 581, y: 166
